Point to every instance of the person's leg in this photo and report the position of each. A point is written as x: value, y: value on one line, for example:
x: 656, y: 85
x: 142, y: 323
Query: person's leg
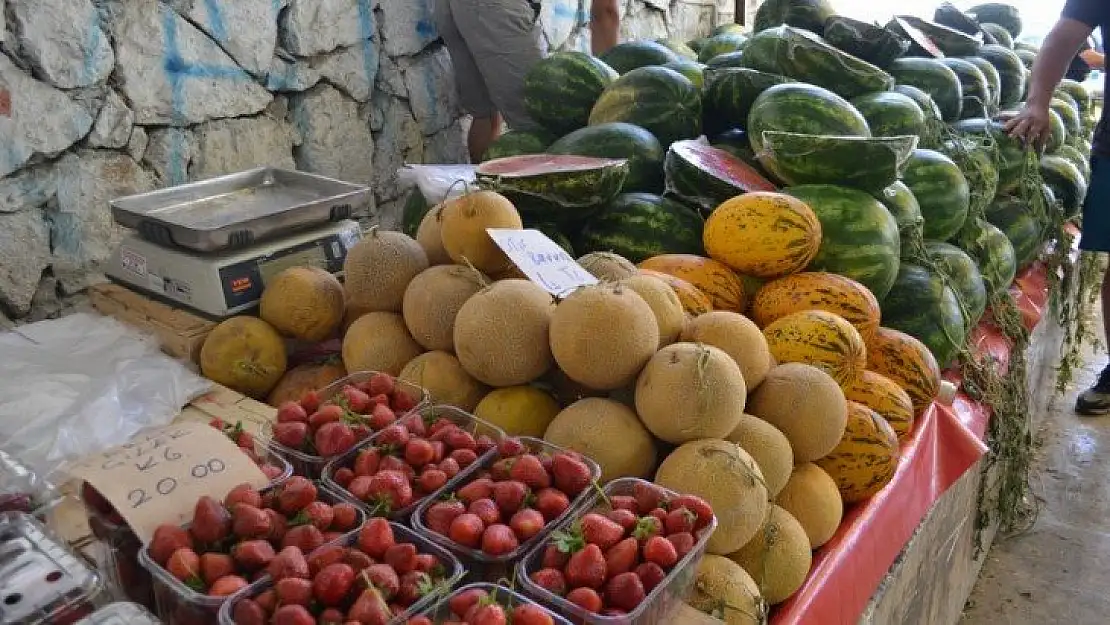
x: 605, y: 19
x: 473, y: 95
x: 1096, y: 238
x: 483, y: 132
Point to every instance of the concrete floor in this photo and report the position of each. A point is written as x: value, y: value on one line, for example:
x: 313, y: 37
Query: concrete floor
x: 1058, y: 571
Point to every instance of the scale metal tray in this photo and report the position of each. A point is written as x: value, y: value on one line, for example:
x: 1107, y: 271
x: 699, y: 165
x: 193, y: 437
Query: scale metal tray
x: 238, y: 209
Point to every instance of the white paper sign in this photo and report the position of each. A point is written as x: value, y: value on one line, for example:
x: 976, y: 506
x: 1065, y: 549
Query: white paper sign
x: 542, y: 260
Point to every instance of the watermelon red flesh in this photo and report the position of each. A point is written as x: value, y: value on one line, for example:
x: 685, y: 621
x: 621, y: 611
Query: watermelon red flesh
x: 704, y: 176
x: 619, y: 140
x: 641, y: 225
x: 941, y: 191
x: 962, y: 274
x: 560, y: 90
x: 923, y: 306
x: 552, y: 188
x: 661, y: 100
x: 920, y: 43
x: 992, y: 251
x: 934, y: 78
x: 1016, y: 220
x: 891, y: 114
x: 803, y: 109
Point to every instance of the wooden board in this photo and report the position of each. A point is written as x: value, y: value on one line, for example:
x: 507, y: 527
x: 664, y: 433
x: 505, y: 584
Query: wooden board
x: 180, y: 333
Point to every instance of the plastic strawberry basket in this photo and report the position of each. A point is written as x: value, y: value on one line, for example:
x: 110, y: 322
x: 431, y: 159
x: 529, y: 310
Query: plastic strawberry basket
x: 657, y: 607
x: 454, y: 568
x: 504, y: 596
x: 429, y: 414
x: 480, y: 565
x: 177, y: 604
x: 312, y: 466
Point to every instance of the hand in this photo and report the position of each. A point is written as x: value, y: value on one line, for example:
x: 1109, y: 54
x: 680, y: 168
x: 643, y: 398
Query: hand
x: 1031, y: 126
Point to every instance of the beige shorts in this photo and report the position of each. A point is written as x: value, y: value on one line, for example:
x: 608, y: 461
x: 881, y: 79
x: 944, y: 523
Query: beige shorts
x: 493, y: 44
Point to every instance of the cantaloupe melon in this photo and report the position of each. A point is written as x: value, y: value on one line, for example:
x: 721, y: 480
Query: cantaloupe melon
x: 603, y: 335
x: 446, y: 381
x: 304, y: 303
x: 690, y: 391
x: 778, y: 557
x: 429, y: 236
x: 804, y: 403
x: 670, y: 317
x: 306, y: 377
x: 728, y: 478
x: 501, y: 333
x: 724, y: 590
x: 811, y: 497
x: 518, y: 410
x: 245, y: 354
x: 378, y: 269
x: 608, y: 432
x: 433, y: 299
x: 379, y: 341
x: 463, y: 229
x: 865, y: 460
x: 738, y: 337
x: 607, y: 266
x: 769, y: 447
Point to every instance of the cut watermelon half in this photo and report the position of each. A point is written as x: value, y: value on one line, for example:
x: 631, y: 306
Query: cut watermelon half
x: 705, y: 176
x: 553, y: 187
x: 919, y: 38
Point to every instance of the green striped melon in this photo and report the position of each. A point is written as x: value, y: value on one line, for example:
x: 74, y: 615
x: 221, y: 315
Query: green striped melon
x: 724, y: 43
x: 891, y: 114
x: 692, y: 70
x: 560, y: 90
x: 1016, y: 220
x: 922, y: 305
x: 658, y: 99
x: 638, y: 226
x: 963, y: 276
x: 973, y: 86
x: 900, y: 201
x: 518, y: 142
x: 803, y: 109
x: 994, y: 79
x: 629, y: 55
x: 729, y: 95
x: 991, y: 251
x: 619, y: 140
x: 941, y: 190
x: 923, y: 100
x: 934, y: 78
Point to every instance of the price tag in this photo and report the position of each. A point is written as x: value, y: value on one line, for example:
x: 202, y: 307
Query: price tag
x: 158, y: 475
x: 542, y: 260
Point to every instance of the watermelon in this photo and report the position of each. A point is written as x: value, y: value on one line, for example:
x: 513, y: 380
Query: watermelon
x: 805, y: 109
x: 1076, y: 157
x: 730, y: 59
x: 992, y: 251
x: 941, y: 191
x: 721, y: 44
x: 556, y: 234
x: 808, y: 14
x: 1068, y: 115
x: 1081, y: 144
x: 899, y: 200
x: 923, y: 100
x: 560, y: 90
x: 661, y: 100
x: 619, y: 140
x: 727, y: 27
x: 1019, y: 223
x: 920, y: 44
x: 973, y: 86
x: 641, y: 225
x: 551, y: 188
x: 859, y: 237
x: 994, y: 80
x: 1011, y: 73
x: 517, y: 142
x: 977, y: 162
x: 1059, y: 132
x: 869, y: 42
x: 683, y: 51
x: 729, y: 95
x: 692, y: 70
x: 1005, y: 15
x: 629, y: 55
x: 1066, y: 97
x: 891, y: 114
x: 1066, y: 182
x: 962, y: 274
x: 804, y: 56
x: 922, y: 305
x: 696, y: 44
x: 413, y: 212
x: 1078, y: 93
x: 934, y: 78
x: 704, y: 176
x: 949, y: 40
x: 868, y: 164
x: 1009, y: 152
x: 948, y: 15
x: 1027, y: 57
x: 1002, y: 37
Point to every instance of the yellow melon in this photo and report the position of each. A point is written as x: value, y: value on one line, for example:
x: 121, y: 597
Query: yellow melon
x: 811, y: 497
x: 778, y: 557
x: 463, y: 229
x: 608, y: 432
x: 301, y: 379
x: 694, y: 302
x: 866, y: 458
x: 816, y: 290
x: 245, y: 354
x: 724, y: 590
x: 501, y: 333
x: 379, y: 341
x: 723, y: 286
x: 433, y: 299
x: 378, y: 269
x: 908, y: 362
x: 805, y: 404
x: 738, y: 337
x: 885, y: 397
x: 669, y: 314
x: 304, y: 303
x: 769, y: 447
x: 689, y: 391
x: 446, y: 381
x: 429, y: 236
x: 761, y: 234
x: 821, y: 339
x: 518, y: 410
x: 607, y: 266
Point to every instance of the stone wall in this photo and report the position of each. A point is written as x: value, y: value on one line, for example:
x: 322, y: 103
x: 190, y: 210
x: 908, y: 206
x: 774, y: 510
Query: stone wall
x: 103, y: 98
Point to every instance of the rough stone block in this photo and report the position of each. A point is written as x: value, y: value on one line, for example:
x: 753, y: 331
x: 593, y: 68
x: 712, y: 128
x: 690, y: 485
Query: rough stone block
x: 63, y: 41
x: 113, y: 126
x: 297, y: 75
x: 335, y: 137
x: 390, y: 77
x: 311, y: 27
x: 24, y: 254
x: 28, y: 188
x: 225, y: 146
x: 430, y: 83
x: 353, y: 69
x: 246, y: 29
x: 168, y: 153
x: 643, y: 22
x: 560, y: 18
x: 399, y: 142
x: 407, y: 26
x: 447, y: 146
x: 136, y: 145
x: 38, y: 120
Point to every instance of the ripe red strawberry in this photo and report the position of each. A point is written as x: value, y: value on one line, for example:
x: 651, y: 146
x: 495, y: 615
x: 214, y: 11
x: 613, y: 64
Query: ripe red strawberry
x: 184, y: 564
x: 509, y: 447
x: 624, y: 591
x: 419, y: 620
x: 530, y: 614
x: 395, y: 434
x: 499, y: 539
x: 484, y: 443
x: 381, y: 417
x: 343, y: 476
x: 419, y: 452
x: 390, y: 490
x: 375, y: 537
x: 358, y: 559
x: 394, y: 463
x: 526, y: 523
x: 449, y: 466
x: 295, y: 494
x: 291, y: 411
x: 554, y: 558
x: 488, y: 614
x: 461, y: 602
x: 291, y: 434
x: 500, y: 469
x: 213, y: 566
x: 427, y: 563
x: 600, y: 530
x: 289, y: 562
x: 384, y: 578
x: 322, y: 557
x: 458, y: 438
x: 310, y: 401
x: 529, y: 469
x: 331, y: 585
x: 510, y: 495
x: 249, y: 522
x: 585, y: 598
x: 660, y: 551
x: 647, y: 527
x: 440, y: 514
x: 370, y: 607
x: 381, y: 384
x: 367, y: 461
x: 328, y: 413
x: 248, y: 612
x: 414, y: 585
x: 551, y: 580
x: 551, y: 503
x: 659, y: 513
x: 344, y: 517
x: 357, y: 400
x: 253, y: 555
x: 622, y: 557
x: 481, y: 488
x: 243, y: 493
x: 227, y: 585
x: 466, y: 529
x: 698, y: 506
x: 586, y: 567
x: 305, y: 537
x: 334, y: 438
x: 211, y: 520
x: 680, y: 520
x: 683, y: 543
x: 465, y: 457
x: 486, y: 510
x: 572, y: 476
x: 648, y: 496
x: 166, y: 540
x: 319, y: 514
x: 431, y: 480
x: 330, y: 616
x: 623, y: 502
x: 624, y: 517
x: 402, y: 557
x: 651, y: 574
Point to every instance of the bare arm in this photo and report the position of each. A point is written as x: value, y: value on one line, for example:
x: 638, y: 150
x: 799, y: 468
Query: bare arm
x: 1094, y: 59
x: 604, y: 25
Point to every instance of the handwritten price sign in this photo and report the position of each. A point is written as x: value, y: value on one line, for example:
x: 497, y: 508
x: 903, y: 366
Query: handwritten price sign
x: 157, y: 476
x: 542, y: 260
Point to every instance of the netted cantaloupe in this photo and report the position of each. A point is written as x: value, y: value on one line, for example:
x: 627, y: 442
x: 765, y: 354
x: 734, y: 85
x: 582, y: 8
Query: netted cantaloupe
x: 821, y: 339
x: 724, y: 287
x: 804, y: 403
x: 379, y: 341
x: 444, y: 378
x: 866, y: 458
x: 820, y: 291
x: 463, y: 229
x: 689, y: 391
x: 378, y: 269
x: 762, y: 234
x: 738, y: 337
x: 728, y: 478
x: 669, y: 314
x: 778, y: 557
x: 607, y: 266
x: 518, y: 410
x: 724, y: 590
x: 908, y: 362
x: 430, y: 237
x: 884, y: 396
x: 304, y: 303
x: 501, y: 333
x: 245, y: 354
x: 433, y: 299
x: 812, y: 498
x: 603, y: 335
x: 310, y: 376
x: 608, y: 432
x: 769, y: 447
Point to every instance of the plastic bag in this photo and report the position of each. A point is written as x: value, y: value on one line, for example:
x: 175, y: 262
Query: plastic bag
x: 438, y: 183
x: 22, y: 490
x: 83, y: 384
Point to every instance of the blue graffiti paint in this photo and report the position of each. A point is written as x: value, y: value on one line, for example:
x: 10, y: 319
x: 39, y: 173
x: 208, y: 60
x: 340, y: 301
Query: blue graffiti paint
x: 367, y: 29
x: 175, y: 66
x: 216, y: 20
x: 92, y: 46
x: 565, y: 11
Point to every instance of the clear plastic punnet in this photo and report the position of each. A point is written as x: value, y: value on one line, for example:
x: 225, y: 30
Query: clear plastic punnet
x: 505, y: 597
x: 121, y: 613
x: 22, y: 490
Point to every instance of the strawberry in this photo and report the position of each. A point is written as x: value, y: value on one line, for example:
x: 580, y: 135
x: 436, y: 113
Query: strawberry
x: 647, y: 527
x: 554, y: 558
x: 509, y: 447
x: 249, y: 522
x: 459, y: 439
x: 624, y: 517
x: 402, y: 557
x: 330, y: 616
x: 306, y: 537
x: 622, y: 557
x: 414, y: 584
x: 551, y: 580
x: 360, y: 487
x: 487, y: 614
x: 295, y: 494
x: 310, y: 401
x: 292, y: 615
x: 343, y: 476
x: 500, y: 469
x: 650, y: 574
x: 384, y: 578
x: 486, y: 510
x: 586, y: 567
x: 440, y: 514
x: 381, y: 384
x: 466, y: 529
x: 214, y: 566
x: 698, y: 506
x: 291, y: 434
x: 661, y: 514
x: 184, y: 564
x: 344, y: 517
x: 393, y: 463
x: 395, y: 434
x: 278, y: 525
x: 322, y: 557
x: 370, y: 607
x: 358, y: 559
x: 660, y: 551
x: 367, y: 461
x: 389, y: 491
x: 624, y: 591
x: 439, y: 450
x: 375, y: 537
x: 293, y: 591
x: 289, y: 562
x: 381, y: 417
x: 419, y: 620
x: 331, y: 585
x: 481, y: 488
x: 465, y: 457
x: 623, y: 502
x: 648, y: 496
x: 529, y: 469
x: 333, y: 439
x: 248, y: 612
x: 600, y: 530
x: 243, y: 493
x: 428, y: 563
x: 683, y: 543
x: 431, y: 480
x: 166, y: 540
x: 357, y: 400
x: 320, y: 514
x: 484, y: 443
x: 530, y: 614
x: 329, y: 413
x: 211, y: 521
x: 680, y: 519
x: 551, y: 503
x: 253, y: 555
x: 267, y: 600
x: 499, y: 539
x: 461, y: 602
x: 227, y: 585
x: 419, y: 452
x: 585, y: 598
x: 527, y: 523
x: 572, y: 476
x: 510, y: 495
x: 291, y: 412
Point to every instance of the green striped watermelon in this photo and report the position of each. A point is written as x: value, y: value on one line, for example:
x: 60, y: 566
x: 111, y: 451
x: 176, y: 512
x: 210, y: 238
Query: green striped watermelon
x: 661, y: 100
x: 934, y: 78
x: 1000, y: 34
x: 1009, y: 151
x: 923, y: 100
x: 941, y: 191
x: 1017, y: 221
x: 1005, y: 15
x: 619, y: 140
x: 949, y: 40
x: 728, y: 27
x: 899, y: 200
x: 730, y: 59
x: 556, y: 234
x: 1077, y: 158
x: 683, y: 51
x: 963, y: 276
x: 1058, y: 131
x: 891, y: 114
x: 517, y: 142
x: 859, y: 237
x: 556, y: 189
x: 641, y: 225
x: 973, y: 86
x: 804, y: 109
x: 629, y: 55
x: 1066, y: 182
x: 977, y: 161
x: 922, y: 305
x: 729, y: 95
x: 868, y: 164
x: 413, y: 212
x: 1027, y: 58
x: 1011, y: 74
x: 560, y: 90
x: 703, y: 176
x: 869, y: 42
x: 725, y: 43
x: 808, y: 14
x: 994, y: 80
x: 801, y: 55
x: 1069, y: 114
x: 1078, y: 93
x: 692, y: 70
x: 992, y: 251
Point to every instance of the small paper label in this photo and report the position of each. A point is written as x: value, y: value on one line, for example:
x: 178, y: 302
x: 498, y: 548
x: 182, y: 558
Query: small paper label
x: 542, y: 260
x: 159, y: 474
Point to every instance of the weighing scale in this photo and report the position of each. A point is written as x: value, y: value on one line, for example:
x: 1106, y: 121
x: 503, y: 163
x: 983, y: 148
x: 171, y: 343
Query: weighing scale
x: 212, y: 246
